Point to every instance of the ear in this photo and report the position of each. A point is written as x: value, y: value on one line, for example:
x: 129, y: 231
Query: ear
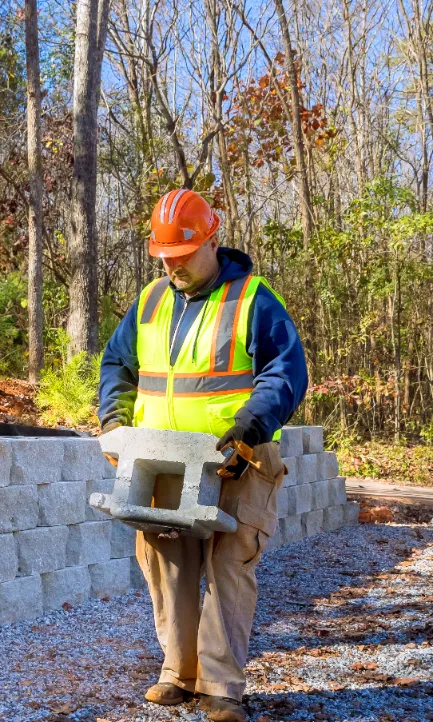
x: 214, y: 243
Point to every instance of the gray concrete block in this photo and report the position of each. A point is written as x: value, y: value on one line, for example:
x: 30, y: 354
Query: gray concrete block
x: 282, y: 503
x: 333, y: 517
x: 337, y: 491
x: 110, y: 578
x: 5, y: 462
x: 312, y: 439
x: 307, y: 468
x: 137, y: 577
x: 312, y: 522
x: 88, y: 543
x: 41, y: 550
x: 304, y: 498
x: 122, y: 540
x: 62, y: 503
x: 70, y: 585
x: 327, y: 465
x: 291, y: 478
x: 350, y: 513
x: 20, y: 599
x: 320, y: 490
x: 292, y: 497
x: 36, y: 460
x: 18, y: 508
x: 8, y: 558
x: 291, y: 529
x: 83, y: 460
x: 274, y: 542
x: 108, y: 470
x: 99, y: 486
x: 291, y: 441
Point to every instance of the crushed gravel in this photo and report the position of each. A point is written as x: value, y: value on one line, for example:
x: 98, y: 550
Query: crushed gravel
x: 343, y: 631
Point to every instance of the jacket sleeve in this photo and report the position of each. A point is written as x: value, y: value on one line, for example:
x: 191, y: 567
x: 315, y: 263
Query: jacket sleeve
x: 279, y: 368
x: 119, y: 372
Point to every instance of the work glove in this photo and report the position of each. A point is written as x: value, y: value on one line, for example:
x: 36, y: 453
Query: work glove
x: 242, y: 442
x: 105, y: 429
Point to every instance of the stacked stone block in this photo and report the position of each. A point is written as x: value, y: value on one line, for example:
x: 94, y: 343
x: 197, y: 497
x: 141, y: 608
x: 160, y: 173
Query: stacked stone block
x: 313, y: 497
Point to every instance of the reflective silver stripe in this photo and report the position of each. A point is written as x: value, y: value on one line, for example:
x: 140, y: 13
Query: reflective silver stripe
x: 153, y: 299
x: 225, y: 330
x: 212, y: 384
x: 163, y: 204
x: 152, y: 383
x: 174, y: 204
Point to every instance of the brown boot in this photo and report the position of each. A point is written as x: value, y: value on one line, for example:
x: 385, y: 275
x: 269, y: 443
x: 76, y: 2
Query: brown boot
x: 165, y: 693
x: 222, y: 709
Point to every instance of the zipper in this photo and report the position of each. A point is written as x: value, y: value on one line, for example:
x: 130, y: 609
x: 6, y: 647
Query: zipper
x: 170, y: 377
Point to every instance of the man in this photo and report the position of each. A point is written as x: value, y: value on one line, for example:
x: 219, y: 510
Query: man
x: 209, y: 348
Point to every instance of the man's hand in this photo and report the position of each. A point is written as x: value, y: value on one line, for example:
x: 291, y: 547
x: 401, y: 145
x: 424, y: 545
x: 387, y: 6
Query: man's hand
x: 105, y: 429
x: 242, y: 441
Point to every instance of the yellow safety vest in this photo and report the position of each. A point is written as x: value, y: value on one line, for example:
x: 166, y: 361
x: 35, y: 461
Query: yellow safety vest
x: 212, y: 376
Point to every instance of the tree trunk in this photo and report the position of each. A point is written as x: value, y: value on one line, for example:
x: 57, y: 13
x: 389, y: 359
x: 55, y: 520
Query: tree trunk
x: 36, y: 348
x: 91, y: 31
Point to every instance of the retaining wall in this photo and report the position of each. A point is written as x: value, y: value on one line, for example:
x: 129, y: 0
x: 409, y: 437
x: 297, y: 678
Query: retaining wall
x: 55, y: 549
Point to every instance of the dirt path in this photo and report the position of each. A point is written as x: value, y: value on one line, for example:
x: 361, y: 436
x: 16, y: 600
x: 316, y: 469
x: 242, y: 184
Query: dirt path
x: 382, y: 490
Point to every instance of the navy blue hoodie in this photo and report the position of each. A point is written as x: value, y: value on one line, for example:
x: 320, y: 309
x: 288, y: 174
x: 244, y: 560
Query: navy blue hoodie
x: 280, y: 372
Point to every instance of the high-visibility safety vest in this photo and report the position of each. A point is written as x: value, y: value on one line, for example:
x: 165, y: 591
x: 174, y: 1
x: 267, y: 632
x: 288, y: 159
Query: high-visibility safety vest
x: 212, y: 376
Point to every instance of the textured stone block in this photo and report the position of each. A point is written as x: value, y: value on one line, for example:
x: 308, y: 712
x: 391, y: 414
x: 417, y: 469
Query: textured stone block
x: 122, y: 540
x: 70, y: 585
x: 291, y: 529
x: 5, y: 461
x: 291, y: 478
x: 333, y: 517
x: 320, y: 491
x: 274, y: 542
x: 8, y: 558
x: 327, y: 465
x: 62, y: 503
x: 41, y: 550
x: 110, y: 578
x: 20, y: 598
x: 282, y: 503
x: 99, y: 486
x: 83, y: 460
x: 307, y: 468
x: 350, y: 513
x: 291, y: 441
x: 312, y: 439
x: 36, y: 461
x: 312, y: 522
x: 304, y: 498
x: 88, y: 543
x: 337, y: 491
x: 137, y: 577
x: 18, y: 508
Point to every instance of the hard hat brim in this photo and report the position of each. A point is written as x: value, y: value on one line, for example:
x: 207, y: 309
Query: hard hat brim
x: 174, y: 250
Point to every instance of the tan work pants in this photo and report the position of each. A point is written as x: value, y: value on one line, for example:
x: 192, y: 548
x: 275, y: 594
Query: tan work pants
x: 205, y: 649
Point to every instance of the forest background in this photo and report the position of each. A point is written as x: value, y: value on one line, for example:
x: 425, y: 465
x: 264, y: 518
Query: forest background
x: 309, y: 129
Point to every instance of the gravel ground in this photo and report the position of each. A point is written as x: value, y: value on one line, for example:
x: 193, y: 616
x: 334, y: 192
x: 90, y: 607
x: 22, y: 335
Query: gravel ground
x: 343, y: 631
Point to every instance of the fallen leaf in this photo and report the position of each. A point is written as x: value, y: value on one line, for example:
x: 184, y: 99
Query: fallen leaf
x: 66, y: 606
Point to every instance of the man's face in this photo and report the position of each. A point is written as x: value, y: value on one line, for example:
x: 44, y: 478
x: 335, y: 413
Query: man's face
x: 192, y: 272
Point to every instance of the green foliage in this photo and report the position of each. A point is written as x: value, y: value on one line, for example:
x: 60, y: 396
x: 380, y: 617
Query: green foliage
x: 13, y: 323
x: 68, y: 394
x: 108, y: 320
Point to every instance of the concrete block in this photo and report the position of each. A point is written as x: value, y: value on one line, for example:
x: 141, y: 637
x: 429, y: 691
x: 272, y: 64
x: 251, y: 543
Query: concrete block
x: 36, y: 460
x: 312, y: 522
x: 333, y: 517
x: 291, y: 478
x: 70, y: 585
x: 18, y: 508
x: 320, y: 491
x: 88, y: 543
x: 20, y: 599
x: 337, y: 491
x: 137, y: 577
x: 350, y: 513
x: 99, y: 486
x: 41, y: 550
x: 83, y: 460
x: 291, y: 441
x: 327, y: 465
x: 108, y: 470
x: 307, y: 468
x: 304, y: 498
x: 62, y: 503
x: 110, y: 578
x: 292, y: 497
x: 291, y: 529
x: 122, y: 540
x: 5, y: 461
x: 312, y: 439
x: 282, y: 503
x: 8, y: 558
x: 274, y: 542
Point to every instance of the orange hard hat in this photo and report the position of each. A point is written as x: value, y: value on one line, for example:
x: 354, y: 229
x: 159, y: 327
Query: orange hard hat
x: 181, y: 222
